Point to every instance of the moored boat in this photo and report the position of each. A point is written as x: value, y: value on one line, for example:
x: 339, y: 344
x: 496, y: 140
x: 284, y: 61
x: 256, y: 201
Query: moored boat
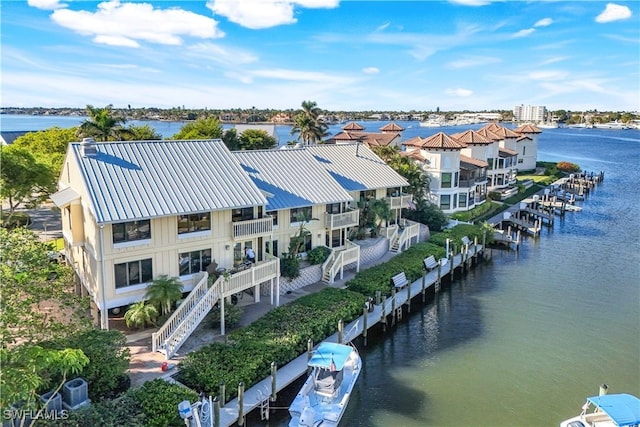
x: 609, y: 410
x: 325, y: 394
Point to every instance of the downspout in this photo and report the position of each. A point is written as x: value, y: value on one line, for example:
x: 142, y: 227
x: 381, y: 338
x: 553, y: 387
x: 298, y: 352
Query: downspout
x: 104, y: 317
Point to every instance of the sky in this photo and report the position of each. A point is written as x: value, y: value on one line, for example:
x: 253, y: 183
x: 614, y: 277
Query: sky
x: 472, y: 55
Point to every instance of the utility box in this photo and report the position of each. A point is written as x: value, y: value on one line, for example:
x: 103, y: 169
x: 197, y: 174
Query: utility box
x: 75, y: 394
x: 55, y: 404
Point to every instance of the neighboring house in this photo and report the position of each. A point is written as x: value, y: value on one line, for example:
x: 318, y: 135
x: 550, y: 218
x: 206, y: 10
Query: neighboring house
x: 389, y: 135
x: 134, y: 210
x: 7, y: 137
x: 466, y: 166
x: 269, y: 129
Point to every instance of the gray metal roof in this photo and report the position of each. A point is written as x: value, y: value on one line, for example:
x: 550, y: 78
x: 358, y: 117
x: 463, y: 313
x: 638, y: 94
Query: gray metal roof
x: 146, y: 179
x: 293, y: 178
x: 355, y: 167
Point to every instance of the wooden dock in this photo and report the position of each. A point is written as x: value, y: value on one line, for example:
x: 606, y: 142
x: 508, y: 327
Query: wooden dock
x: 386, y: 312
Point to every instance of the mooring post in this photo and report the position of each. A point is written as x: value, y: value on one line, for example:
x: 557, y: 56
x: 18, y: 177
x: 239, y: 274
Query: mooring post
x: 223, y: 393
x: 309, y: 353
x: 383, y: 316
x: 603, y: 390
x: 274, y: 370
x: 378, y: 297
x: 393, y: 306
x: 216, y: 412
x: 340, y: 331
x: 424, y: 279
x: 240, y: 403
x: 439, y: 275
x: 365, y: 327
x: 409, y: 298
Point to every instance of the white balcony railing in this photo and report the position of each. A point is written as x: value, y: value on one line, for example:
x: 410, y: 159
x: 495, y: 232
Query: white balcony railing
x: 399, y: 202
x: 342, y: 220
x: 253, y: 227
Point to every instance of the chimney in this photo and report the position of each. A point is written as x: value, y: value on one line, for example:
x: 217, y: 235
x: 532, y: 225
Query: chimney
x: 88, y: 147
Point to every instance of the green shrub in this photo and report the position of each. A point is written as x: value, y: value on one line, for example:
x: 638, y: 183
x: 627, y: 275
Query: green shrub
x: 289, y: 267
x: 108, y: 359
x: 105, y: 413
x: 318, y: 255
x: 158, y: 400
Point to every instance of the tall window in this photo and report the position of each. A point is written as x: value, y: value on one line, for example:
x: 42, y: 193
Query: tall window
x: 462, y: 200
x: 130, y: 231
x: 194, y: 261
x: 133, y: 273
x: 274, y: 215
x: 445, y: 181
x: 334, y: 208
x: 194, y: 222
x: 455, y: 179
x: 272, y: 247
x: 445, y: 201
x: 242, y: 214
x: 367, y: 195
x: 298, y: 214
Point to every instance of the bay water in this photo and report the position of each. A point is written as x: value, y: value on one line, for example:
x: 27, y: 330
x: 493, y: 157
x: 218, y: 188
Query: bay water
x: 523, y: 339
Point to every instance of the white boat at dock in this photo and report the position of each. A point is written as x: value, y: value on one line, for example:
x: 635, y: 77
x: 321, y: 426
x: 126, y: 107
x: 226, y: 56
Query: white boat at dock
x: 325, y: 394
x: 609, y: 410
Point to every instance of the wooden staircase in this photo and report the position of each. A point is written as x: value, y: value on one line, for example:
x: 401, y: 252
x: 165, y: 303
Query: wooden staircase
x: 203, y: 297
x: 187, y: 316
x: 337, y: 260
x: 400, y: 237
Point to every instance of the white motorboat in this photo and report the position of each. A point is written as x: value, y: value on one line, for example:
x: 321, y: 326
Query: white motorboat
x: 609, y: 410
x: 325, y: 394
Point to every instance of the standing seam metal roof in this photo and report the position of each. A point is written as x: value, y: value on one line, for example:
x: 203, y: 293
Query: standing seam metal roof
x: 356, y: 167
x: 292, y: 176
x: 145, y: 179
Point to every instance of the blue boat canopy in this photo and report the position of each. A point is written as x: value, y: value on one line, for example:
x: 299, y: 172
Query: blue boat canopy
x: 328, y: 353
x: 623, y: 409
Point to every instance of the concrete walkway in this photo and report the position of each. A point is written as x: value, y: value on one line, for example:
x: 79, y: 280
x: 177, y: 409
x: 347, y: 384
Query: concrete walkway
x: 146, y: 365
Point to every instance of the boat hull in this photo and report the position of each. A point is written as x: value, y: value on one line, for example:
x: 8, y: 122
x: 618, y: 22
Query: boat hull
x: 312, y: 408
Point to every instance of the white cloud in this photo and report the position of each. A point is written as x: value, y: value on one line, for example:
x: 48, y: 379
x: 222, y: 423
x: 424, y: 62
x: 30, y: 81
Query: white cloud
x: 300, y: 76
x: 459, y: 92
x: 545, y: 22
x: 383, y: 26
x: 128, y: 23
x: 553, y: 76
x: 613, y: 12
x: 473, y: 61
x: 524, y: 33
x: 259, y: 14
x: 46, y: 4
x: 220, y: 54
x: 370, y: 70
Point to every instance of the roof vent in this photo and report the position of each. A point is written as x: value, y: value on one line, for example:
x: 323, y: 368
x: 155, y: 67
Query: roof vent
x: 88, y: 147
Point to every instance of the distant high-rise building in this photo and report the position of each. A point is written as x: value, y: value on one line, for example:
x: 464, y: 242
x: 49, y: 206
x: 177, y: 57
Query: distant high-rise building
x: 529, y: 113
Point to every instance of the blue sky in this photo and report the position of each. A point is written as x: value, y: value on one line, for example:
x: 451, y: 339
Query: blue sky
x: 344, y: 55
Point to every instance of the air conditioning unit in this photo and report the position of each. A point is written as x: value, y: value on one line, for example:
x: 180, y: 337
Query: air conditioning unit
x: 75, y: 394
x: 55, y: 404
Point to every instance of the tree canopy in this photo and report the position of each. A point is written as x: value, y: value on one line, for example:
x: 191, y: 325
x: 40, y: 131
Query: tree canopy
x: 256, y: 139
x: 308, y: 125
x: 209, y: 128
x: 141, y: 133
x: 103, y: 124
x: 23, y: 179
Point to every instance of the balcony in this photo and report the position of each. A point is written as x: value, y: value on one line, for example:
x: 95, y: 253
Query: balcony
x: 252, y: 228
x: 342, y: 220
x: 399, y: 201
x: 466, y: 183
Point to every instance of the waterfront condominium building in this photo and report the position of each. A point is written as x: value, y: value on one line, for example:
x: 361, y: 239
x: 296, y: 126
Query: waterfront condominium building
x: 529, y: 113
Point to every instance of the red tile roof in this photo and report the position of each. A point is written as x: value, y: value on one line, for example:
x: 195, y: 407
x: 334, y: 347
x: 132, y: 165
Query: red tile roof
x: 471, y: 137
x: 353, y: 126
x: 475, y: 162
x: 439, y: 140
x: 369, y: 138
x: 528, y: 128
x: 414, y: 154
x: 507, y: 151
x: 391, y: 127
x: 501, y: 131
x: 487, y: 133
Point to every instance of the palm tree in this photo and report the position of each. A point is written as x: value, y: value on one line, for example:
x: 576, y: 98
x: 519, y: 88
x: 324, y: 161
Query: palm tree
x: 102, y: 124
x: 163, y: 292
x: 308, y: 125
x: 140, y: 315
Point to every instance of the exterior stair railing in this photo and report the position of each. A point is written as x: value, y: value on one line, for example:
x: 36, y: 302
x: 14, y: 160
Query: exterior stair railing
x: 181, y: 324
x: 338, y: 260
